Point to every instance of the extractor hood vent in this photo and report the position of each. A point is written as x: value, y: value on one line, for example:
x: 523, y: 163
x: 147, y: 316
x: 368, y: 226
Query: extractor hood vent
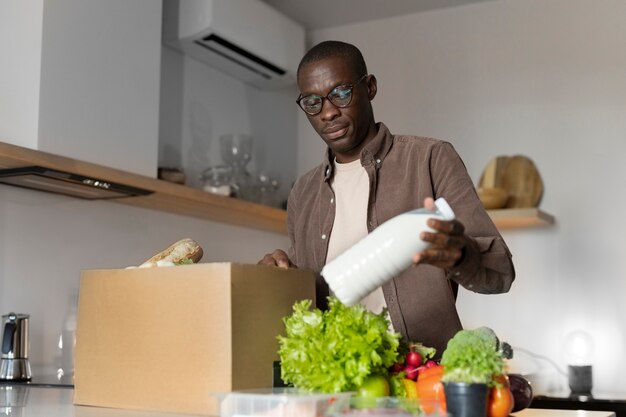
x: 60, y: 182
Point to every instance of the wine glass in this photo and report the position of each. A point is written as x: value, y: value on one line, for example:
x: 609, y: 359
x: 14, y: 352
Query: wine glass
x: 236, y: 151
x: 269, y: 183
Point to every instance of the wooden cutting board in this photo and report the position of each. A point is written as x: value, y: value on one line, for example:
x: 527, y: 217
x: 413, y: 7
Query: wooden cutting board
x: 493, y: 172
x: 518, y: 175
x: 523, y: 182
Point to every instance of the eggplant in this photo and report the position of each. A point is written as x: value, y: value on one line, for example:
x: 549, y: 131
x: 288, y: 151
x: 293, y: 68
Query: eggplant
x: 522, y: 392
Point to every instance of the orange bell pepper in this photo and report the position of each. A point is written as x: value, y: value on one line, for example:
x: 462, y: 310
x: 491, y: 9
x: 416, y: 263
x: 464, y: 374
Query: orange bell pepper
x: 430, y: 389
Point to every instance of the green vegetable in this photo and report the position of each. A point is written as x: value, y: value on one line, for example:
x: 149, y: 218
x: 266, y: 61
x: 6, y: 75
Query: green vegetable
x: 396, y: 385
x: 425, y: 352
x: 335, y: 350
x: 185, y: 262
x: 473, y: 356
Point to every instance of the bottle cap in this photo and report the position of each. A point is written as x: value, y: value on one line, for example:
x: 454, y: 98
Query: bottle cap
x: 444, y: 208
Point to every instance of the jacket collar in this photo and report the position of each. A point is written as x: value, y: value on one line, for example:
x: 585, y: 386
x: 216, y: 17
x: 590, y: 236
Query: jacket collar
x: 373, y: 153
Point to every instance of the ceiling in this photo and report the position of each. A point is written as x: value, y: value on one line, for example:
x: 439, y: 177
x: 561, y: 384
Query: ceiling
x: 317, y: 14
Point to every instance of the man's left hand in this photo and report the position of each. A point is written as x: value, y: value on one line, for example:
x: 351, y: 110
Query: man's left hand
x: 447, y: 243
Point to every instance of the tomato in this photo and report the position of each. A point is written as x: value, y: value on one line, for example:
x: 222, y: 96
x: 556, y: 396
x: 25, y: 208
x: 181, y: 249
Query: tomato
x: 430, y: 389
x: 501, y: 399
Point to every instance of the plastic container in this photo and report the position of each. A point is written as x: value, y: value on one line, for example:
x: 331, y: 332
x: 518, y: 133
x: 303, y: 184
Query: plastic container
x: 382, y: 254
x: 382, y: 407
x: 277, y: 402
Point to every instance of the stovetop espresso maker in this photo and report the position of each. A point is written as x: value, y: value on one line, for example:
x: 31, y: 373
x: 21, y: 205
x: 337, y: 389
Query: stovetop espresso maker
x: 14, y: 364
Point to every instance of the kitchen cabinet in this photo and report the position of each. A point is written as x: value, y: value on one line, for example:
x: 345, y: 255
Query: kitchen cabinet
x: 187, y: 201
x: 103, y: 107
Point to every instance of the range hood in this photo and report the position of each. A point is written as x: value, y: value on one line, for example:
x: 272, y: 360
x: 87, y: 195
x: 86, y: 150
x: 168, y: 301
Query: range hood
x: 60, y: 182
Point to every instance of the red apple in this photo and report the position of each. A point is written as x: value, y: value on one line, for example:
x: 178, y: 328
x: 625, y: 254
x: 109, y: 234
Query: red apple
x: 413, y: 358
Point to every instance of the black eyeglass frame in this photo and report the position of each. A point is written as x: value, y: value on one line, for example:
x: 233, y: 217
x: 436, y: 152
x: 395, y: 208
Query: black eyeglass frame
x: 349, y: 87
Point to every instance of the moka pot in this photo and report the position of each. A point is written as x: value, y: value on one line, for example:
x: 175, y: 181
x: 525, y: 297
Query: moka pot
x: 14, y: 364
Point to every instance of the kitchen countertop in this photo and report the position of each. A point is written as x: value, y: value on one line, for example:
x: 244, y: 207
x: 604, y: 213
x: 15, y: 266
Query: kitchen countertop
x: 37, y: 401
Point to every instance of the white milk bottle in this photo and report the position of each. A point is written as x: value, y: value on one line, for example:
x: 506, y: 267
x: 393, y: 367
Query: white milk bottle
x: 382, y: 254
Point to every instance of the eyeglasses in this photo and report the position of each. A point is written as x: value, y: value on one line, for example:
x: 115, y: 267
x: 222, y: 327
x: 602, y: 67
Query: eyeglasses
x: 340, y: 96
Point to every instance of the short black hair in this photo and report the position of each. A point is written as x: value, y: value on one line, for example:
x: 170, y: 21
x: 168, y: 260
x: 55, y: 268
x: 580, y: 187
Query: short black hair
x: 329, y: 49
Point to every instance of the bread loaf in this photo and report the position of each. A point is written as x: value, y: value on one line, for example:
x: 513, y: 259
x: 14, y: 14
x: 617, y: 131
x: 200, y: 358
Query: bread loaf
x: 184, y: 251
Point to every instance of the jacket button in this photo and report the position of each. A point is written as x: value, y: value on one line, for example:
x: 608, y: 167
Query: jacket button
x: 332, y: 200
x: 323, y: 237
x: 378, y: 161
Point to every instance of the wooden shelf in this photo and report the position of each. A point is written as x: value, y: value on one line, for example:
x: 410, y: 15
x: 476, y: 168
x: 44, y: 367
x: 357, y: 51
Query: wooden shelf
x: 520, y: 218
x: 187, y: 201
x: 166, y: 196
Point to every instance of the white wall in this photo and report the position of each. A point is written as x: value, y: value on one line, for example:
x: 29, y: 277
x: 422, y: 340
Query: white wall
x: 540, y: 78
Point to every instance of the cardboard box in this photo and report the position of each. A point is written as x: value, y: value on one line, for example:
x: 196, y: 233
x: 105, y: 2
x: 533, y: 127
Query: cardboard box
x: 164, y: 339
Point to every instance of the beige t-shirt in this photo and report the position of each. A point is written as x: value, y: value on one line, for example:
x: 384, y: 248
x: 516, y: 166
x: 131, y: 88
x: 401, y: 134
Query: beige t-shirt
x: 351, y: 186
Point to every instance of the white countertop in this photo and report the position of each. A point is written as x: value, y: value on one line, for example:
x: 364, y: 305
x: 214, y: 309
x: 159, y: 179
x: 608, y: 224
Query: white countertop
x: 28, y: 401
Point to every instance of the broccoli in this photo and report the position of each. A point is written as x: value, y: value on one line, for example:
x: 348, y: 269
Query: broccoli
x: 474, y: 356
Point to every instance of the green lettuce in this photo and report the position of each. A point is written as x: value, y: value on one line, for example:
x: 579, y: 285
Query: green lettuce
x: 335, y: 350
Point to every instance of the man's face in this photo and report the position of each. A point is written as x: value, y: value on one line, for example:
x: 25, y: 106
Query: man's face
x: 345, y: 130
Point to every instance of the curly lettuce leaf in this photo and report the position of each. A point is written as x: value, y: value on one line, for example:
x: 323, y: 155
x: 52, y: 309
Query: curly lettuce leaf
x: 335, y: 350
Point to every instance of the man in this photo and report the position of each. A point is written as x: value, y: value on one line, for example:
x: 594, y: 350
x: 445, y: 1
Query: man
x: 369, y: 176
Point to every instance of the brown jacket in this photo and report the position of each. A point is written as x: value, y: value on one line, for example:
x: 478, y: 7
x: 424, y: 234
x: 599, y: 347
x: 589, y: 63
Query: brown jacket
x: 403, y: 170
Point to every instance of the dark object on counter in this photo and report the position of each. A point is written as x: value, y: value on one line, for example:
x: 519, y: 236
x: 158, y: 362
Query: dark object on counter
x: 466, y: 400
x: 522, y: 392
x: 618, y: 406
x: 580, y: 379
x: 277, y: 379
x: 174, y: 175
x: 14, y: 364
x: 44, y: 381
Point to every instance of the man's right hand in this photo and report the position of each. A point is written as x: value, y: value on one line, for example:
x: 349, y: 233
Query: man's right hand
x: 277, y: 258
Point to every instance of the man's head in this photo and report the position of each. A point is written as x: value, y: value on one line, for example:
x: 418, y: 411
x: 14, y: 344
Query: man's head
x: 335, y: 49
x: 335, y: 92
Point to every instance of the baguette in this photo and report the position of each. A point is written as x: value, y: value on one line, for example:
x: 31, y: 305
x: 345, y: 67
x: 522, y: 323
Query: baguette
x: 184, y: 251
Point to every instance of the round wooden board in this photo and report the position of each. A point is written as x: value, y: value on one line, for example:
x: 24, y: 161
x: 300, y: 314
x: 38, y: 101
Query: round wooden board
x: 521, y: 179
x: 493, y: 172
